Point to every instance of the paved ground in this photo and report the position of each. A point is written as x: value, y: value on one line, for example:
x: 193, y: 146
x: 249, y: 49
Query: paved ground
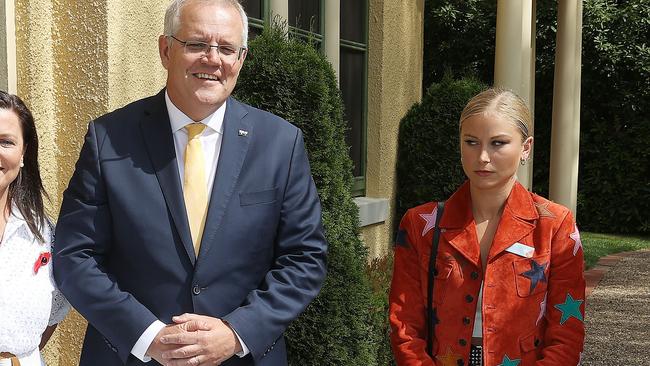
x: 618, y: 313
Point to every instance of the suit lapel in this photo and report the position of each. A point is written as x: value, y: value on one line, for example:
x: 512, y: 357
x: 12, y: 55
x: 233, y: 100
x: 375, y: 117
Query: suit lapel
x: 517, y: 221
x: 160, y: 145
x: 234, y: 145
x: 458, y: 225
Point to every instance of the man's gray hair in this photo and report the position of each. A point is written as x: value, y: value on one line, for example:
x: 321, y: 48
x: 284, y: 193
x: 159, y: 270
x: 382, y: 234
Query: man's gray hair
x: 173, y: 16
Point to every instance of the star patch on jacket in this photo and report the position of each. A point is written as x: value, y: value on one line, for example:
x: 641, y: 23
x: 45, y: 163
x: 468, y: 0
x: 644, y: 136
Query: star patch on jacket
x: 535, y: 274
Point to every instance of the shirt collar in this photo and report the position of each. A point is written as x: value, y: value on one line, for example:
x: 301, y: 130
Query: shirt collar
x: 179, y: 120
x: 16, y: 221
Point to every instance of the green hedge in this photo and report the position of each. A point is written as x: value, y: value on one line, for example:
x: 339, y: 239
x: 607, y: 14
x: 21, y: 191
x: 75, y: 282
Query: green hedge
x: 428, y: 164
x: 291, y: 79
x: 613, y: 184
x: 459, y: 38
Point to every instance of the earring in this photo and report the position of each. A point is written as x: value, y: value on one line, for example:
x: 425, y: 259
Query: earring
x: 22, y: 164
x: 522, y: 161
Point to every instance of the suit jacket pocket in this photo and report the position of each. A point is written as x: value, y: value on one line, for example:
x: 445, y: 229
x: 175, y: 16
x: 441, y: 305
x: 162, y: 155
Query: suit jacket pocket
x: 531, y: 275
x: 254, y: 198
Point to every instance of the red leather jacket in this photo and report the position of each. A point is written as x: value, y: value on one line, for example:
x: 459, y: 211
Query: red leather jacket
x: 533, y: 292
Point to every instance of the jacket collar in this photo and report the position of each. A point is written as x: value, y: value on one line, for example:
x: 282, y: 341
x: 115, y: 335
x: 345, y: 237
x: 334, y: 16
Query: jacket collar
x: 517, y: 221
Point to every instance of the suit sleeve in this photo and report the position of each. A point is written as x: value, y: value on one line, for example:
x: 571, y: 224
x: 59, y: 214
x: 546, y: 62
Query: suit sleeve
x: 565, y: 310
x: 299, y: 267
x: 82, y: 243
x: 406, y: 303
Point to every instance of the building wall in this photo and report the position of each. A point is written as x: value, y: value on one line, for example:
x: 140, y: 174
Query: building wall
x: 3, y: 46
x: 395, y: 32
x: 80, y: 59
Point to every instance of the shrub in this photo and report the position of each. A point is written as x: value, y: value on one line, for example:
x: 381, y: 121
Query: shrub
x: 459, y: 38
x: 380, y: 274
x: 289, y: 78
x: 428, y: 164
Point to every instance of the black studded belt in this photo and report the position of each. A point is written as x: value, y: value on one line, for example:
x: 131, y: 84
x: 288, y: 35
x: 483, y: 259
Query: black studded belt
x: 476, y: 356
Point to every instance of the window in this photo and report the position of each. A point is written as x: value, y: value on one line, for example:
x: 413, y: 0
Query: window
x: 354, y: 85
x: 305, y: 20
x: 256, y: 11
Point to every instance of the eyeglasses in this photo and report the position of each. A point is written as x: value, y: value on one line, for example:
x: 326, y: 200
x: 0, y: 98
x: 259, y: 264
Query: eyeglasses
x: 227, y: 53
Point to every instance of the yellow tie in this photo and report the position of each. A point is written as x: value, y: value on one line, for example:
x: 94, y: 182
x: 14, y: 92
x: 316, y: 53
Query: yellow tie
x: 195, y: 189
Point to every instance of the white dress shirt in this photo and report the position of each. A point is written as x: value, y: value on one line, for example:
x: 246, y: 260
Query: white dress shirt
x: 211, y: 139
x: 29, y: 299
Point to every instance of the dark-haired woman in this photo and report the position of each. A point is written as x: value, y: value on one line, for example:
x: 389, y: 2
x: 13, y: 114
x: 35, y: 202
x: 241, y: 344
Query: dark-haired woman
x: 30, y: 304
x: 507, y: 273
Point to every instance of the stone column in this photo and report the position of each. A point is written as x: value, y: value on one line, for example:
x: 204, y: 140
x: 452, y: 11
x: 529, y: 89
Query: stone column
x: 7, y: 47
x: 332, y: 36
x: 514, y: 65
x: 565, y: 135
x: 394, y: 85
x: 279, y: 8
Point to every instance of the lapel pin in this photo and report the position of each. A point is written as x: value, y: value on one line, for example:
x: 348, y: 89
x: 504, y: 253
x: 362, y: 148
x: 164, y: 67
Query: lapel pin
x: 243, y: 133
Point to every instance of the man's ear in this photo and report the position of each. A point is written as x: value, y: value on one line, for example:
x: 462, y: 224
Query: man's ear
x: 163, y: 49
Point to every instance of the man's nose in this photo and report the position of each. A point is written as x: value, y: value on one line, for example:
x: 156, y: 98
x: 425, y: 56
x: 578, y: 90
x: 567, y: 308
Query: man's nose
x: 212, y: 56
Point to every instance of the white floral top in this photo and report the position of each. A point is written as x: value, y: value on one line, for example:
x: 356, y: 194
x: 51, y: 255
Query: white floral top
x: 29, y: 299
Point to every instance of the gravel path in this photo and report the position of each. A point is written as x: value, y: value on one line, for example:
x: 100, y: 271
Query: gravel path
x: 618, y: 315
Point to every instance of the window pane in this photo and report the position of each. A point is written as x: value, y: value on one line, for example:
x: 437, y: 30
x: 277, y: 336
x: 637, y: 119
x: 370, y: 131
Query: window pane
x: 253, y: 8
x: 352, y: 87
x: 353, y: 20
x: 253, y: 32
x: 305, y: 14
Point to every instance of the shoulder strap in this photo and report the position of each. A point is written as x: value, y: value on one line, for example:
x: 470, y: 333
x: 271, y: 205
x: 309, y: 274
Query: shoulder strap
x: 431, y: 322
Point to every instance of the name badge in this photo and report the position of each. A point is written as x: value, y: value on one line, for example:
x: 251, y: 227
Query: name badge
x: 521, y: 250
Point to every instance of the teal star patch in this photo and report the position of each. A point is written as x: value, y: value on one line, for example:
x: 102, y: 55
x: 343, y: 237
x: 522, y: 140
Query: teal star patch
x: 508, y: 362
x: 570, y: 308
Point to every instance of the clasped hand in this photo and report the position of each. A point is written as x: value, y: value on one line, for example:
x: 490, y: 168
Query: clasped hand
x: 194, y: 340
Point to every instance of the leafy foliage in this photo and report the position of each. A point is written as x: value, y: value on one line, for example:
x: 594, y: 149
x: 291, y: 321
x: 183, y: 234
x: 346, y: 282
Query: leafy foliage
x: 289, y: 78
x: 459, y: 38
x: 428, y: 167
x: 613, y: 187
x: 380, y: 274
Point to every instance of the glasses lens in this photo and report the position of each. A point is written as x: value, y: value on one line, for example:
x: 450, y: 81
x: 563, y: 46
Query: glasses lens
x: 193, y: 47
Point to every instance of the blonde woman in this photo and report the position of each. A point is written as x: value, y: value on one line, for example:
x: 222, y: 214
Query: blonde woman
x: 495, y: 277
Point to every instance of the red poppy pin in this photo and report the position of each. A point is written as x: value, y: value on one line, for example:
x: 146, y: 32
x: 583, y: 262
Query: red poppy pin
x: 43, y: 260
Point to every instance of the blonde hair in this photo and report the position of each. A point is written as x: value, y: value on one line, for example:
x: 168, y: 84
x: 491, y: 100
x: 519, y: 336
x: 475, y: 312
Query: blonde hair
x: 502, y: 102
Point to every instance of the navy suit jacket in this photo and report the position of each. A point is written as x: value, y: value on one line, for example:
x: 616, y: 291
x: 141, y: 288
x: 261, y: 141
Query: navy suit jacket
x: 123, y: 254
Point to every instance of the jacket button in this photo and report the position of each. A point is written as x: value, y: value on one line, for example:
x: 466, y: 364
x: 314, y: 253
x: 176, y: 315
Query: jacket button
x: 460, y: 362
x: 435, y: 271
x: 462, y: 342
x: 196, y: 290
x: 467, y: 320
x: 536, y: 342
x: 474, y: 275
x: 469, y: 298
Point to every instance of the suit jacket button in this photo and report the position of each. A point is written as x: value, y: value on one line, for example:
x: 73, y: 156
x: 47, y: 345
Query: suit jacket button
x: 469, y: 298
x: 474, y: 275
x: 537, y: 342
x: 462, y: 342
x: 460, y: 362
x: 196, y: 290
x: 467, y: 320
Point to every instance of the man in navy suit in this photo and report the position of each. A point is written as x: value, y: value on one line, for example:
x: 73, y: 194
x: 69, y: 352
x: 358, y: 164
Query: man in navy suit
x: 191, y: 231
